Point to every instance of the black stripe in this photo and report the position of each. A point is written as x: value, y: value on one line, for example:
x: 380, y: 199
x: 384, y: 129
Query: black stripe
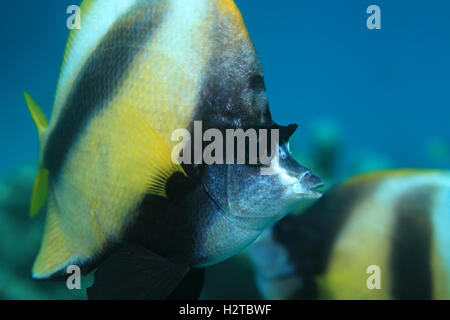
x: 233, y: 89
x: 99, y: 81
x: 411, y: 246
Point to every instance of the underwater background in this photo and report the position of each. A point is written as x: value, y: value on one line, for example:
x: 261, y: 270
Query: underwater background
x: 364, y: 100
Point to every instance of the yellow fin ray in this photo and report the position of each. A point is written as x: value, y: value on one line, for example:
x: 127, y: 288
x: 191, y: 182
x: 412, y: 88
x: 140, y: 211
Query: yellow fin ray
x: 40, y: 188
x: 153, y: 161
x: 36, y: 113
x: 40, y: 192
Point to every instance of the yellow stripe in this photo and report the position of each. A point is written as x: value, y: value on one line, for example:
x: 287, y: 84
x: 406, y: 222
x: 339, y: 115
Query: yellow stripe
x: 229, y: 8
x: 363, y: 241
x: 399, y: 173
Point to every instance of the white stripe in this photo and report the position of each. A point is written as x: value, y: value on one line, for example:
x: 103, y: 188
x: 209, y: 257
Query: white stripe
x: 183, y: 36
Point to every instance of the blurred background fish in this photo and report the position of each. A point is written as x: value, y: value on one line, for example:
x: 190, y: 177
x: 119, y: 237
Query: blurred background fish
x: 395, y: 221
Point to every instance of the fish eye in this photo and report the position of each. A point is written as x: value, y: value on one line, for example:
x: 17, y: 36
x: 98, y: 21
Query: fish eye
x: 283, y: 154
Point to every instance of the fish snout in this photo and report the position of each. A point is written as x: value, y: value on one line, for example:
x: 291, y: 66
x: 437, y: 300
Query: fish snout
x: 308, y: 185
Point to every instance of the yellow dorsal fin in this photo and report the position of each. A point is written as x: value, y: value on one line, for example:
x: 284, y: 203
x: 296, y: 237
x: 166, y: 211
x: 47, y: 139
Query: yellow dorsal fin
x: 36, y: 113
x: 40, y: 192
x: 152, y: 154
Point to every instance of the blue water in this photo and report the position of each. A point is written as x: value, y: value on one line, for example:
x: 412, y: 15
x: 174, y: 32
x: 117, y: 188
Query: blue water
x: 387, y: 89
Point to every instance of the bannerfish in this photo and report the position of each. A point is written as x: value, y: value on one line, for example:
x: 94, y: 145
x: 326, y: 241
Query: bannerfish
x: 382, y: 235
x: 136, y: 71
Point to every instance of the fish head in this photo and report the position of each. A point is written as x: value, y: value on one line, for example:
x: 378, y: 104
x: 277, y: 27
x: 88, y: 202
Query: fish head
x: 263, y: 195
x: 258, y: 195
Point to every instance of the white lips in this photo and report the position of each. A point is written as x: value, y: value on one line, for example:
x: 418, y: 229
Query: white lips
x: 311, y: 193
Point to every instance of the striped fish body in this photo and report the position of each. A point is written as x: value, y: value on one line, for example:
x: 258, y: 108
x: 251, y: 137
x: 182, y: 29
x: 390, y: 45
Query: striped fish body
x: 135, y: 70
x: 396, y: 221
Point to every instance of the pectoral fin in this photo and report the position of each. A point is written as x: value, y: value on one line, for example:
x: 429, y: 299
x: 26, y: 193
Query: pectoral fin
x: 133, y: 272
x: 151, y: 154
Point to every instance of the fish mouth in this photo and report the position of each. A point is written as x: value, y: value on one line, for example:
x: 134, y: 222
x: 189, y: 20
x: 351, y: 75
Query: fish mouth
x: 315, y: 192
x: 312, y: 184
